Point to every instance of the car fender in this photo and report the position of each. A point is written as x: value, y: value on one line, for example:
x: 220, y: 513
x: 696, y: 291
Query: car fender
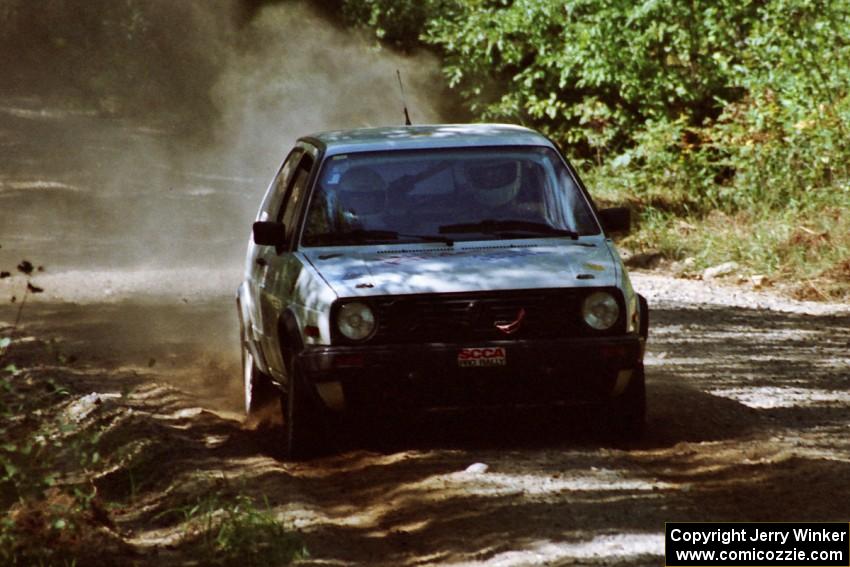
x: 631, y: 298
x: 312, y: 297
x: 289, y: 337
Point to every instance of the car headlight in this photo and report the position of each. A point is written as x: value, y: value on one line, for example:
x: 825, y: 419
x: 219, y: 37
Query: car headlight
x: 600, y: 310
x: 355, y: 321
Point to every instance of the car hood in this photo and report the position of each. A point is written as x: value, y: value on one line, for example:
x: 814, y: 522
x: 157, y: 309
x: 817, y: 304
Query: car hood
x: 464, y: 268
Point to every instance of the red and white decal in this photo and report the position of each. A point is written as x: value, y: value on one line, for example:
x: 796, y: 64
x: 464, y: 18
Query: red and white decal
x: 483, y: 356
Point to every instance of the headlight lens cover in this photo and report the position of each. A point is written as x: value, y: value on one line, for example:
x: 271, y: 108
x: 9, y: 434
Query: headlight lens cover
x: 600, y: 310
x: 355, y: 321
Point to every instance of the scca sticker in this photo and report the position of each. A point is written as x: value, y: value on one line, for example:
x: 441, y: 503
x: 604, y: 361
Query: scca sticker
x: 483, y: 356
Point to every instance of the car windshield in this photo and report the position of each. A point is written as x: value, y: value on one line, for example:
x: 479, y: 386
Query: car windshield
x: 453, y: 194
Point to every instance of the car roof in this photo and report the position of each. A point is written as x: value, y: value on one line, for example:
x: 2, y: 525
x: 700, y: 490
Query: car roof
x: 425, y: 137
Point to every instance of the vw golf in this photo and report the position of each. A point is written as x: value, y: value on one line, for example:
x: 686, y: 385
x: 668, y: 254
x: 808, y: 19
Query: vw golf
x: 436, y: 267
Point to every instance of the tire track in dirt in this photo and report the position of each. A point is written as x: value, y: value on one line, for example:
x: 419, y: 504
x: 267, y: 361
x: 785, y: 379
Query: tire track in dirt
x: 748, y: 414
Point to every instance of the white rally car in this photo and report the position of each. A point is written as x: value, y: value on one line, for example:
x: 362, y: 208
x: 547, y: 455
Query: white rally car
x: 436, y: 266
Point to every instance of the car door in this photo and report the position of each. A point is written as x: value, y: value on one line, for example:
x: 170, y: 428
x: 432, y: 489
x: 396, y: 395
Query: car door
x: 258, y: 255
x: 281, y: 267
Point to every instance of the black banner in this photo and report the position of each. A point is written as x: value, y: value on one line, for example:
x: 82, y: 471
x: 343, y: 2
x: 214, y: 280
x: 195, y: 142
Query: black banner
x: 757, y: 544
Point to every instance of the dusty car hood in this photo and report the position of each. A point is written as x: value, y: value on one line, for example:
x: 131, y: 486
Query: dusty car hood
x: 366, y: 271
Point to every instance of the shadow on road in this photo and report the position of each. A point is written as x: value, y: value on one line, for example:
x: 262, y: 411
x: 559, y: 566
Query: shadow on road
x: 713, y: 374
x: 736, y: 432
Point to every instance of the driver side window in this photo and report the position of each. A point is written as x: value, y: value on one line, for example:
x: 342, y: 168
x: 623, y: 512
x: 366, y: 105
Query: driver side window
x: 275, y: 194
x: 288, y: 214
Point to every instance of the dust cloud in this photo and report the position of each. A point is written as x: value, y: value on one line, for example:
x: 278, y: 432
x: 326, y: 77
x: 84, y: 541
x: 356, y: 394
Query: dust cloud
x: 151, y: 143
x: 303, y: 75
x: 136, y: 141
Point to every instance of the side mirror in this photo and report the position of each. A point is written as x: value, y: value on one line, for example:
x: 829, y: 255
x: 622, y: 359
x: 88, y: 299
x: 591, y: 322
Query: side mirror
x: 617, y: 219
x: 267, y: 233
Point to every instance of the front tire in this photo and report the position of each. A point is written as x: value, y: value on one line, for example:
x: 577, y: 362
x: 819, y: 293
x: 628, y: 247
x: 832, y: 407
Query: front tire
x: 304, y: 429
x: 627, y: 412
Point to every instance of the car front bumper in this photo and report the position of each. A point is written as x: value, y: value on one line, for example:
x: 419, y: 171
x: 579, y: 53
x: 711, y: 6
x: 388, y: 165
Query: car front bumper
x: 431, y: 375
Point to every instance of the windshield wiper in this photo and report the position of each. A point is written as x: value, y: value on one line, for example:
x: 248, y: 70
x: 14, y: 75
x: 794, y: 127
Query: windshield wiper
x: 492, y: 226
x: 365, y: 235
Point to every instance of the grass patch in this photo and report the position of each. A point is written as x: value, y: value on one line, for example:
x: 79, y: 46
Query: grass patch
x: 801, y: 240
x: 235, y: 530
x: 60, y: 441
x: 51, y: 515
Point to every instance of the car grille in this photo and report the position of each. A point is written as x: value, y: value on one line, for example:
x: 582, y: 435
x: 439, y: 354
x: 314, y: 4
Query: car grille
x: 466, y: 317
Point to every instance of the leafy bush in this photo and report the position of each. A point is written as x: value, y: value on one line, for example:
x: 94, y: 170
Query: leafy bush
x: 589, y: 72
x: 689, y: 111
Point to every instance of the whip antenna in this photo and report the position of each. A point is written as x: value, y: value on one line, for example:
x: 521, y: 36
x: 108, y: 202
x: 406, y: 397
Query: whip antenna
x: 403, y: 102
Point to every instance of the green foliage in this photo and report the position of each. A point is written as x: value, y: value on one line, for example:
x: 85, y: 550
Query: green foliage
x: 682, y: 109
x: 235, y: 531
x: 587, y: 72
x: 396, y: 22
x: 31, y: 455
x: 44, y: 512
x: 788, y: 139
x: 56, y: 442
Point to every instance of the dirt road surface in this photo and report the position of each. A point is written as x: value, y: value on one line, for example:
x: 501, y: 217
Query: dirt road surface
x: 748, y: 420
x: 749, y: 394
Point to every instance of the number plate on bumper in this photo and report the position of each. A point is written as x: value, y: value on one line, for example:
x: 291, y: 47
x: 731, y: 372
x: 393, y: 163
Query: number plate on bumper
x: 482, y: 356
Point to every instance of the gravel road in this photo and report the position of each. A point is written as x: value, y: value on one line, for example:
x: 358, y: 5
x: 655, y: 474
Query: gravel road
x: 749, y: 406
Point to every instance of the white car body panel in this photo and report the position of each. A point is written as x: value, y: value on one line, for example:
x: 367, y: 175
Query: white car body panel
x: 366, y: 271
x: 469, y: 266
x: 306, y: 282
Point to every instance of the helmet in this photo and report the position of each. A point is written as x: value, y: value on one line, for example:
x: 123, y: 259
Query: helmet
x: 493, y: 183
x: 362, y: 192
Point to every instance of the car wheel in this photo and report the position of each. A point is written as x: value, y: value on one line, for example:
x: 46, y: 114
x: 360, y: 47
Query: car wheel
x: 304, y: 429
x: 627, y: 412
